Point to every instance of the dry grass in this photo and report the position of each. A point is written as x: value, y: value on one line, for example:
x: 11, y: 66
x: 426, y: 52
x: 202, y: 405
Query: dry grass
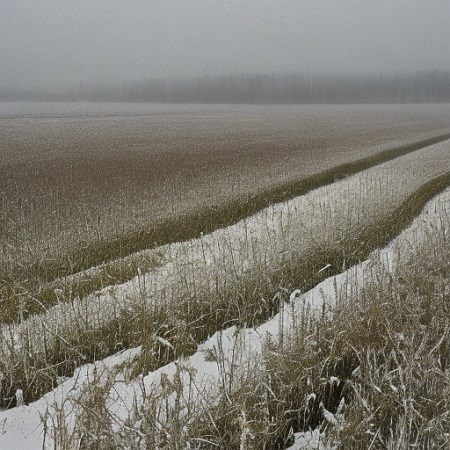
x: 28, y: 286
x: 371, y: 373
x: 231, y: 276
x: 185, y: 292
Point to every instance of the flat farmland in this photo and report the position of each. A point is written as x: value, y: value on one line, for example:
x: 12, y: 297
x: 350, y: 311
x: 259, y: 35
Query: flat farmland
x: 72, y: 176
x: 134, y: 236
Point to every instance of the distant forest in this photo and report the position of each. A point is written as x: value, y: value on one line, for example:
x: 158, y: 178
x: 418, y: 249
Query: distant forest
x: 292, y: 88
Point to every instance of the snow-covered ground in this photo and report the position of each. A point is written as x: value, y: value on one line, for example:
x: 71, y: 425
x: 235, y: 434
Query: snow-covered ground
x: 200, y: 375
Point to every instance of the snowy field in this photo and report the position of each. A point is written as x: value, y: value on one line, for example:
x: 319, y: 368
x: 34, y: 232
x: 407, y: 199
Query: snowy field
x: 197, y: 275
x: 201, y: 375
x: 239, y: 337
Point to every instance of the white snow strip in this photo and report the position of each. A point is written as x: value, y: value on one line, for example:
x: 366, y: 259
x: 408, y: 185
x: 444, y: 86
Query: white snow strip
x: 308, y: 440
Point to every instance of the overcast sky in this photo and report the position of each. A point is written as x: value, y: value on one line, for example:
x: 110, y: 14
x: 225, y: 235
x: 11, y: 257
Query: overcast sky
x: 63, y: 42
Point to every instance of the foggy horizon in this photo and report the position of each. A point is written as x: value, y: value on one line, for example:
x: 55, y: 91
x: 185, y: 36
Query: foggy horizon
x: 58, y: 45
x: 421, y: 87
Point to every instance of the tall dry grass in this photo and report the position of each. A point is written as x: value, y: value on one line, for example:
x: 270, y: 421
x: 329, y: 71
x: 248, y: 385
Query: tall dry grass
x: 371, y: 371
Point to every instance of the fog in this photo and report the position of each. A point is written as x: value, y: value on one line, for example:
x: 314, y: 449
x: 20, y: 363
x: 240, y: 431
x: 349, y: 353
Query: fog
x: 67, y: 44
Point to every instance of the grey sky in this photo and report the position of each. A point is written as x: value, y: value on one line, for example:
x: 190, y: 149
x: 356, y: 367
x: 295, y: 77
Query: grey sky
x: 60, y: 42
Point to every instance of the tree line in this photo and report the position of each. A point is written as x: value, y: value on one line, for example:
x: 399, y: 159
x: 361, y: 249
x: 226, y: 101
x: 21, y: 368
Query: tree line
x: 257, y: 88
